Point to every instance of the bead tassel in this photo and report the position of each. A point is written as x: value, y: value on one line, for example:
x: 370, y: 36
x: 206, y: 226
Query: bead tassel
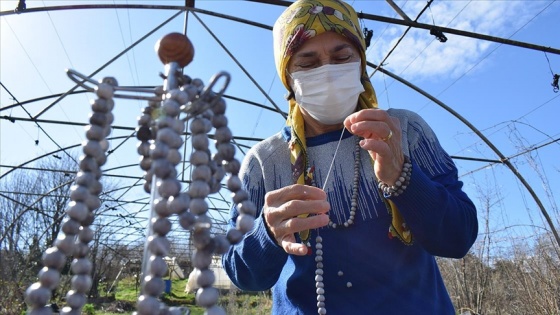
x: 320, y: 286
x: 402, y: 182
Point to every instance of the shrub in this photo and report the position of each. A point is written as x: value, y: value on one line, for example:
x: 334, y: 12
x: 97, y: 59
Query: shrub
x: 88, y: 309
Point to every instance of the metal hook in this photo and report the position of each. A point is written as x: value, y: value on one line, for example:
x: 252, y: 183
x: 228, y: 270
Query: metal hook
x: 74, y: 75
x: 192, y: 110
x: 213, y: 81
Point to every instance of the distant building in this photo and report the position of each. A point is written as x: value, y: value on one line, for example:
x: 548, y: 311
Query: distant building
x: 221, y: 281
x: 174, y: 271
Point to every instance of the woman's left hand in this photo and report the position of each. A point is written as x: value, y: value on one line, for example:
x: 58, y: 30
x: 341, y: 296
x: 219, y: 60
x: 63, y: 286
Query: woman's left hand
x: 381, y: 135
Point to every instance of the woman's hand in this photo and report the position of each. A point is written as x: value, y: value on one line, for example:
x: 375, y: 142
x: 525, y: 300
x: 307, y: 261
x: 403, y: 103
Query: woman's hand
x: 382, y: 138
x: 282, y: 208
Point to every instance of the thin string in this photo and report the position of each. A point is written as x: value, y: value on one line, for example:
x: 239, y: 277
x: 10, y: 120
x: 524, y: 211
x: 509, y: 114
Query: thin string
x: 332, y: 162
x: 548, y: 60
x: 318, y: 241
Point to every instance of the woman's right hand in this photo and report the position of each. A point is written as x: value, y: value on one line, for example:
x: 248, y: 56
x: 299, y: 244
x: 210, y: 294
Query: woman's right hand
x: 282, y: 213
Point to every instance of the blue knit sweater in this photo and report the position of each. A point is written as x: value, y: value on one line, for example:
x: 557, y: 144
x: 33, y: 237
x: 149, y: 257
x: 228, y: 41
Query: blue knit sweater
x: 365, y: 271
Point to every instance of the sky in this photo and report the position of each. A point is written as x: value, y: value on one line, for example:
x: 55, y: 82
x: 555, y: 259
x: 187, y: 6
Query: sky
x: 503, y: 91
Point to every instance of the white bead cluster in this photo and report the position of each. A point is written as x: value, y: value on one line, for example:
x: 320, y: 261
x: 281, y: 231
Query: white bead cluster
x: 320, y: 286
x: 76, y: 233
x: 402, y: 182
x: 205, y: 110
x: 159, y: 132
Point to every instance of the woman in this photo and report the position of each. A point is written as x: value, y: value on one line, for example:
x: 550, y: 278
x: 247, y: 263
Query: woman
x: 354, y: 202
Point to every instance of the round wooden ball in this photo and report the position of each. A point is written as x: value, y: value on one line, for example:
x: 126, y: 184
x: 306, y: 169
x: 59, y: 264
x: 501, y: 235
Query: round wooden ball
x: 175, y: 47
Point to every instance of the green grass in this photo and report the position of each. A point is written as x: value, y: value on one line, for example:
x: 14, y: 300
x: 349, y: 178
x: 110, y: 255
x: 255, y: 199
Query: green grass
x: 127, y: 291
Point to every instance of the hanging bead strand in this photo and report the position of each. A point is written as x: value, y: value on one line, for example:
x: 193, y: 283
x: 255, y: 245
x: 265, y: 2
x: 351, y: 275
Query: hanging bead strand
x: 159, y: 133
x: 355, y: 185
x: 319, y: 285
x: 75, y: 231
x: 165, y: 133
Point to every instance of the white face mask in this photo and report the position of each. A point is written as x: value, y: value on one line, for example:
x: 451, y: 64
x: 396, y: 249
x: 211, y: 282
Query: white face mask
x: 329, y: 93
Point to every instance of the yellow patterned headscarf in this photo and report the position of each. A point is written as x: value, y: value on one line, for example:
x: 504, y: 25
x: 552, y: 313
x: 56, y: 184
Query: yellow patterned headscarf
x: 301, y: 21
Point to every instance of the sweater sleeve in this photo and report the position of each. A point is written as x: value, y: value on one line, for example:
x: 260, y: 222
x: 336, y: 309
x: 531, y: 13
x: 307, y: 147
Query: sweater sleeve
x: 255, y: 263
x: 440, y: 215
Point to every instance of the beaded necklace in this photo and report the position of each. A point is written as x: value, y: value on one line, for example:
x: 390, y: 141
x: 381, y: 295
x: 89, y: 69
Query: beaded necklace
x: 319, y: 285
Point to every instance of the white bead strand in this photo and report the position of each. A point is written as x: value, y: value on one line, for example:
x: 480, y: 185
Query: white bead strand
x: 75, y: 231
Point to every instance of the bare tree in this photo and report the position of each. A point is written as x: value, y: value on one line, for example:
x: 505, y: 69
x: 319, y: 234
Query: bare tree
x: 33, y: 204
x: 28, y: 212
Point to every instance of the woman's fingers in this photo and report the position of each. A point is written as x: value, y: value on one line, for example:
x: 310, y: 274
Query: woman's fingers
x: 296, y: 208
x: 293, y: 209
x: 370, y: 124
x: 296, y: 215
x: 382, y: 138
x: 293, y: 201
x: 295, y: 192
x: 292, y: 247
x: 288, y: 240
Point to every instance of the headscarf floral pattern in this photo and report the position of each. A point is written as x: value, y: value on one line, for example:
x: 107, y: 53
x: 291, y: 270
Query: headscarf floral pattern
x: 301, y: 21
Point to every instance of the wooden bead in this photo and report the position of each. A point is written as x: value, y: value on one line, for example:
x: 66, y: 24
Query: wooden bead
x: 36, y: 295
x: 161, y: 226
x: 187, y: 220
x: 86, y: 234
x: 199, y: 189
x: 202, y: 172
x: 148, y: 305
x: 179, y: 203
x: 54, y: 258
x: 221, y: 244
x: 202, y: 240
x: 158, y: 245
x: 81, y: 266
x: 175, y: 47
x: 81, y: 283
x: 240, y: 196
x: 215, y: 310
x: 245, y: 223
x: 49, y: 278
x: 207, y: 297
x: 75, y: 299
x: 198, y: 206
x: 158, y: 266
x: 153, y: 286
x: 202, y: 259
x: 234, y: 236
x: 205, y: 278
x: 43, y: 310
x: 77, y: 211
x: 80, y: 250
